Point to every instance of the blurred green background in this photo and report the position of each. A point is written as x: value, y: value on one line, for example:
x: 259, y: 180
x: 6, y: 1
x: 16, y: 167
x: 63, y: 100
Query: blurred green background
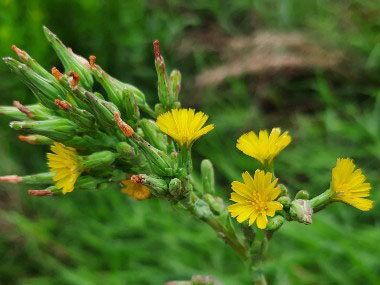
x: 311, y: 67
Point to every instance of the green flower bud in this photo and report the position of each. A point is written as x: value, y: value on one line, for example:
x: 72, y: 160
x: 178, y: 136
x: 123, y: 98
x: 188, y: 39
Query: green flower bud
x: 159, y: 109
x: 275, y: 223
x: 216, y: 203
x: 302, y: 194
x: 87, y: 182
x: 284, y: 190
x: 99, y: 159
x: 71, y: 61
x: 40, y: 178
x: 301, y: 211
x: 131, y: 107
x: 82, y: 118
x: 45, y: 90
x: 175, y: 83
x: 59, y: 129
x: 158, y: 186
x: 175, y: 187
x: 50, y: 191
x: 285, y: 201
x: 116, y: 89
x: 208, y: 179
x: 165, y: 93
x: 36, y: 139
x: 30, y: 112
x: 32, y: 63
x: 103, y: 111
x: 125, y: 150
x: 158, y: 160
x: 202, y: 210
x: 152, y: 134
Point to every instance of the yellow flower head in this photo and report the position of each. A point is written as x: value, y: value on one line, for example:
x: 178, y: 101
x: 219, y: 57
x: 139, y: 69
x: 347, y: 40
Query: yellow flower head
x: 184, y: 125
x: 349, y: 185
x: 135, y: 190
x: 254, y: 198
x: 264, y: 148
x: 66, y: 165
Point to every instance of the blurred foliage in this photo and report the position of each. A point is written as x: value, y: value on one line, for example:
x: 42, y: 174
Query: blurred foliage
x: 107, y: 238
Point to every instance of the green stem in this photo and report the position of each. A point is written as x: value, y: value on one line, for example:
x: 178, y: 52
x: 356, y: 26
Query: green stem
x: 258, y: 250
x: 225, y: 232
x: 321, y: 201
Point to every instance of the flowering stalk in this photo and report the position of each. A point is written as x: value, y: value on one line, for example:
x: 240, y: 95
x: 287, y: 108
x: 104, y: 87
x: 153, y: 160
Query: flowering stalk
x: 121, y: 144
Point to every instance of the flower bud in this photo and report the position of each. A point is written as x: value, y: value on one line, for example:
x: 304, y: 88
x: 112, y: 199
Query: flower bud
x: 158, y: 187
x: 125, y: 150
x: 216, y: 203
x: 301, y: 211
x: 152, y: 134
x: 32, y: 63
x: 285, y: 201
x: 275, y: 223
x: 175, y: 187
x: 36, y: 139
x: 40, y: 178
x: 70, y: 60
x: 82, y: 118
x: 59, y: 129
x: 202, y: 210
x: 87, y: 182
x: 175, y: 83
x: 302, y: 194
x: 131, y: 107
x: 159, y: 161
x: 103, y: 111
x: 284, y: 190
x: 165, y: 92
x: 116, y: 89
x: 45, y: 90
x: 99, y: 159
x: 208, y: 179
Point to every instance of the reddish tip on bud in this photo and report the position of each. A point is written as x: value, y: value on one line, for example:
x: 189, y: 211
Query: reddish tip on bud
x: 28, y: 139
x: 11, y: 179
x: 92, y: 60
x: 63, y: 105
x: 73, y: 80
x: 56, y: 73
x: 20, y: 53
x: 23, y: 109
x: 137, y: 179
x: 156, y: 45
x: 124, y: 127
x: 40, y: 192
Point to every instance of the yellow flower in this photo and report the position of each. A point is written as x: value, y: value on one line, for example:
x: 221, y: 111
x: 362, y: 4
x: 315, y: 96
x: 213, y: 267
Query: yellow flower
x: 254, y: 198
x: 135, y: 190
x: 184, y: 125
x: 349, y: 185
x: 66, y: 165
x: 264, y: 148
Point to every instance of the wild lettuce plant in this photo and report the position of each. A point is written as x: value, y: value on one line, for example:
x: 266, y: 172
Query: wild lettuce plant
x: 118, y: 142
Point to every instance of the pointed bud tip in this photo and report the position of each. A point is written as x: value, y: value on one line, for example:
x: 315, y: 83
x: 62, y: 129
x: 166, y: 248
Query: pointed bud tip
x: 40, y: 193
x: 73, y: 80
x: 23, y: 109
x: 157, y: 53
x: 92, y: 60
x: 11, y: 179
x: 63, y: 105
x: 124, y: 127
x: 56, y: 73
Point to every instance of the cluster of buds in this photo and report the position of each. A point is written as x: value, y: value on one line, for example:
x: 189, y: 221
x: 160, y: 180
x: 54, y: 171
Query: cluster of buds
x: 116, y: 141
